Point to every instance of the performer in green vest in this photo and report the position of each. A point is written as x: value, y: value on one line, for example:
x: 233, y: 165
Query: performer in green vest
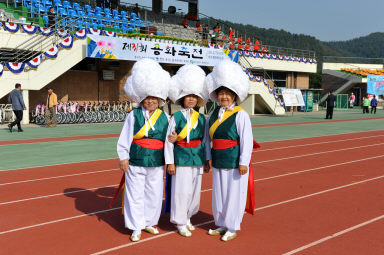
x: 185, y: 149
x: 229, y: 129
x: 141, y: 148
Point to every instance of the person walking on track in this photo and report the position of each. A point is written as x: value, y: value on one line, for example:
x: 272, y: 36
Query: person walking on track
x: 331, y: 101
x: 17, y: 101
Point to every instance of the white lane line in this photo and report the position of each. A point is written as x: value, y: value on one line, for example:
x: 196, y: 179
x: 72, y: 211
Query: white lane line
x: 305, y: 138
x: 334, y: 235
x: 316, y: 153
x: 309, y: 144
x: 256, y: 180
x: 321, y: 136
x: 67, y: 163
x: 318, y: 168
x: 60, y: 176
x: 55, y: 195
x: 257, y: 209
x: 258, y: 162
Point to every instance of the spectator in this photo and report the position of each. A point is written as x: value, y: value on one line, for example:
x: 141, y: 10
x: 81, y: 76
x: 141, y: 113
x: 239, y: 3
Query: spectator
x: 231, y: 34
x: 352, y: 100
x: 205, y: 34
x: 51, y: 18
x: 136, y: 10
x: 231, y: 46
x: 198, y: 25
x: 184, y: 23
x: 240, y: 47
x: 217, y: 28
x: 366, y: 104
x: 248, y: 40
x: 240, y: 39
x: 256, y: 47
x: 247, y: 47
x: 264, y: 49
x: 331, y: 100
x: 51, y: 109
x: 373, y: 104
x: 16, y: 99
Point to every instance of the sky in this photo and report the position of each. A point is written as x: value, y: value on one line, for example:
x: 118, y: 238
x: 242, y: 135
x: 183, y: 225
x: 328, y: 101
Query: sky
x: 327, y: 20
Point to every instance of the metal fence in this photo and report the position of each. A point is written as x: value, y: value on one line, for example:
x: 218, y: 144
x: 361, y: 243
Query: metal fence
x: 352, y: 60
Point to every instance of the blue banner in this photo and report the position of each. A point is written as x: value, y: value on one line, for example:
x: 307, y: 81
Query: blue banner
x: 375, y: 84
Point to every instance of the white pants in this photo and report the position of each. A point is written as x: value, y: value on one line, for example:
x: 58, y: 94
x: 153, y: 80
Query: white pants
x: 185, y: 193
x: 229, y: 197
x: 143, y: 196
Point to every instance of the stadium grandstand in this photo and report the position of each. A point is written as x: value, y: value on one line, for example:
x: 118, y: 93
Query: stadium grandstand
x: 73, y: 50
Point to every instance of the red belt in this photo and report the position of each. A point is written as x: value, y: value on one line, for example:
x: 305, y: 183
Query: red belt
x: 222, y: 144
x: 191, y: 144
x: 147, y: 143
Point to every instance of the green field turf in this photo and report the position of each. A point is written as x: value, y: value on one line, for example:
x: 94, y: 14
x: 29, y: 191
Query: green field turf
x: 40, y: 154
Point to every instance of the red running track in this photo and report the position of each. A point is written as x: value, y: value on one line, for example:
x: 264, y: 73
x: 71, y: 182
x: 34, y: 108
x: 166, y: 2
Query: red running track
x: 268, y: 232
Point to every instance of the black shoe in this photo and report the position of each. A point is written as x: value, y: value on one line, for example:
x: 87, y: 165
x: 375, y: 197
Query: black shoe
x: 20, y: 130
x: 10, y: 128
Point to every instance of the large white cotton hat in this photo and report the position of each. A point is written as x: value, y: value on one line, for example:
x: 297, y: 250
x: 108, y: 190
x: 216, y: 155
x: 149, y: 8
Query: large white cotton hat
x: 189, y: 79
x: 147, y: 78
x: 230, y: 75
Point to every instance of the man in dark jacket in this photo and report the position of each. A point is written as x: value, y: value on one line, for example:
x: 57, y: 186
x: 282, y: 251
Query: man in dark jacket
x: 331, y: 101
x: 373, y: 104
x: 16, y: 99
x: 51, y: 18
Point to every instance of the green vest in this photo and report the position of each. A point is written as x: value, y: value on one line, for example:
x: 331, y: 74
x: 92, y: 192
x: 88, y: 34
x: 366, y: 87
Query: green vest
x: 139, y: 156
x: 190, y: 156
x: 227, y: 158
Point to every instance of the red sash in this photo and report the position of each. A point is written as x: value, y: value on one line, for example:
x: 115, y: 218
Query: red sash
x: 221, y: 144
x: 191, y: 144
x: 146, y: 143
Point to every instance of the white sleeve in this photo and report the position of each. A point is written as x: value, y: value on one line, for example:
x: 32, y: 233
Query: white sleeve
x: 168, y: 146
x: 207, y: 139
x: 126, y: 137
x: 244, y: 129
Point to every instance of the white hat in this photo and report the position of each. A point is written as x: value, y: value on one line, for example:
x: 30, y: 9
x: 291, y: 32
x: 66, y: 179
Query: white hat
x: 230, y: 75
x: 189, y: 79
x: 147, y: 78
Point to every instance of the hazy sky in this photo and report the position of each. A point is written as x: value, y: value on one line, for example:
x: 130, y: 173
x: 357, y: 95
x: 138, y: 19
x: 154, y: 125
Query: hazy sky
x: 327, y: 20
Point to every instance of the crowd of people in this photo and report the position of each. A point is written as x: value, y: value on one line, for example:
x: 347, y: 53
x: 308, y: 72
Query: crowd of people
x: 217, y: 36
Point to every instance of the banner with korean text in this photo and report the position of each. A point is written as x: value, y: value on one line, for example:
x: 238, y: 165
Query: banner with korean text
x: 133, y: 49
x: 292, y: 97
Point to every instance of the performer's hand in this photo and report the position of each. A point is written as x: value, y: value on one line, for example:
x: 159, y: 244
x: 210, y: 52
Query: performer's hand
x: 172, y: 137
x: 171, y: 169
x: 208, y: 166
x: 124, y: 165
x: 243, y: 169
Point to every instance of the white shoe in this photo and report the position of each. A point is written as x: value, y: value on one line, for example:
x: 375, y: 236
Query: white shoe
x: 217, y: 232
x: 152, y: 230
x: 228, y: 236
x: 190, y: 227
x: 136, y: 236
x: 183, y: 230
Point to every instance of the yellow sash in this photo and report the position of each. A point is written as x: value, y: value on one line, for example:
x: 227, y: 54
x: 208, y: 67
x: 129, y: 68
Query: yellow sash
x: 183, y: 133
x: 153, y: 120
x: 226, y: 115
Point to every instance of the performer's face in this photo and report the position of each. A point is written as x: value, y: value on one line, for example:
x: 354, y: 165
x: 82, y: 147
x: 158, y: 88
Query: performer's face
x: 190, y: 101
x: 151, y: 103
x: 225, y: 97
